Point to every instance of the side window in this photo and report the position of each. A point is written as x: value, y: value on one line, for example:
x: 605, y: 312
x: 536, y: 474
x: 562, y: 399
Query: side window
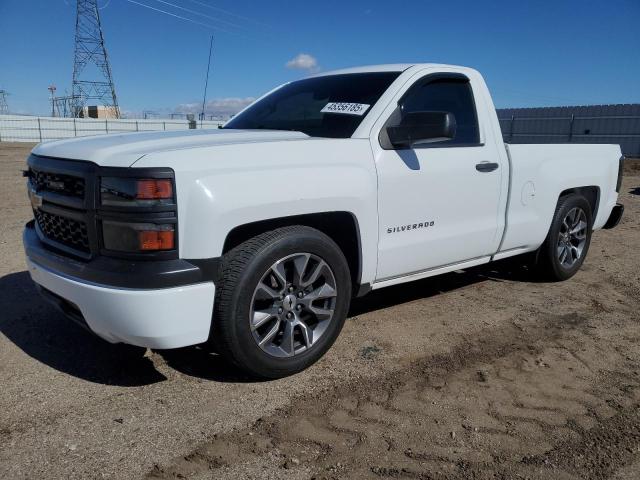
x: 446, y: 95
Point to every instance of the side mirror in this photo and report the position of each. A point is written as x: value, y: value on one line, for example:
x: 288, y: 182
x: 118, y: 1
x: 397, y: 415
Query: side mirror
x: 416, y: 128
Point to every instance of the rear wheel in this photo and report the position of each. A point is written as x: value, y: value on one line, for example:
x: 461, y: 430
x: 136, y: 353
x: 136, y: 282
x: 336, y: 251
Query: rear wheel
x: 282, y: 301
x: 566, y: 246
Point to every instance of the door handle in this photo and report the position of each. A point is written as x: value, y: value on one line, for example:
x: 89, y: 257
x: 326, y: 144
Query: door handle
x: 486, y: 167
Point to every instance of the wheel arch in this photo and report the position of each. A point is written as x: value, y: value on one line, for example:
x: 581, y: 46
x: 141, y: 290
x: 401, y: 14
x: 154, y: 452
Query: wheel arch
x: 341, y: 226
x: 591, y: 193
x: 545, y: 260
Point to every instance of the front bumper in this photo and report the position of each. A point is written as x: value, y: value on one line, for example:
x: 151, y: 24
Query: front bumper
x: 169, y: 317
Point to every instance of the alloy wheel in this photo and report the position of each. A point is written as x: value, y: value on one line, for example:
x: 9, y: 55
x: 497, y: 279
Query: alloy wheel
x: 572, y: 237
x: 293, y: 304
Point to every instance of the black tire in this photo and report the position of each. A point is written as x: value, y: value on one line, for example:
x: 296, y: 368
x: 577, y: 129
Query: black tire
x: 548, y: 263
x: 241, y: 270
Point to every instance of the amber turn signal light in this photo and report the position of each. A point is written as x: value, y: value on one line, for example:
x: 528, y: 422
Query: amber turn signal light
x: 136, y: 192
x: 156, y: 240
x: 154, y: 189
x: 138, y: 237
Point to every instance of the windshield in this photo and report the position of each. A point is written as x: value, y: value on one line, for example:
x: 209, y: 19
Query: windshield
x: 330, y: 106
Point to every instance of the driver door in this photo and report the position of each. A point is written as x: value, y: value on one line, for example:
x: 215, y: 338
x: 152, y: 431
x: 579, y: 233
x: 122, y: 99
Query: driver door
x: 438, y: 202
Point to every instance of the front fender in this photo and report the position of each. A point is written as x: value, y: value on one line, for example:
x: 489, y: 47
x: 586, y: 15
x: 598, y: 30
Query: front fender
x: 224, y: 187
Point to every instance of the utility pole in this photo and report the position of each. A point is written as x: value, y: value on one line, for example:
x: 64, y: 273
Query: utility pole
x: 52, y: 91
x: 92, y: 79
x: 4, y: 107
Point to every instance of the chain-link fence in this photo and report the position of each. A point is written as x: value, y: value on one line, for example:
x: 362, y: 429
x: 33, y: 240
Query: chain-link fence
x: 17, y: 128
x: 617, y: 124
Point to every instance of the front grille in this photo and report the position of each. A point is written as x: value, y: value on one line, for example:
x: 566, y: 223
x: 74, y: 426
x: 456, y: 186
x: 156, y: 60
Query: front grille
x: 58, y: 183
x: 66, y: 231
x: 68, y: 214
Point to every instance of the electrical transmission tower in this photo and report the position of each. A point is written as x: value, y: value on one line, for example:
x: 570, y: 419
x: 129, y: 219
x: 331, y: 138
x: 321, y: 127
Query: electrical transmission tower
x: 4, y: 107
x: 55, y: 111
x: 92, y: 80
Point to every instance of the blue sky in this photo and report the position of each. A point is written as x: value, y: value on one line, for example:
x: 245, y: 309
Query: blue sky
x: 532, y: 53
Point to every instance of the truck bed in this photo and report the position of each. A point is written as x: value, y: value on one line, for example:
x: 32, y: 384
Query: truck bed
x: 539, y: 175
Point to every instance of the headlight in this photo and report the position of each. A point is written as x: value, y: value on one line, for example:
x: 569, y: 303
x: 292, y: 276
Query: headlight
x: 135, y: 192
x: 138, y: 237
x: 138, y: 212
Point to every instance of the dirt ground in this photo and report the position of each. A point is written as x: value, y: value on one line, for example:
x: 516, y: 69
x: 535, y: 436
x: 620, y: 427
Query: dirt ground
x: 476, y: 374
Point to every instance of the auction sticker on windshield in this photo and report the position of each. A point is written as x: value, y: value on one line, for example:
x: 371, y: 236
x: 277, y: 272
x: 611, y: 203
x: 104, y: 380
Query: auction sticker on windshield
x: 346, y: 108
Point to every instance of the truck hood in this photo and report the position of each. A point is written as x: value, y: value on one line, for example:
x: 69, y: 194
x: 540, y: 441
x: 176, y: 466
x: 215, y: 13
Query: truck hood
x: 123, y: 150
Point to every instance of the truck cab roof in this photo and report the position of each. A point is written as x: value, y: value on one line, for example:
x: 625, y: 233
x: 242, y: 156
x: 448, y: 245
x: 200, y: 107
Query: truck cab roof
x: 389, y: 67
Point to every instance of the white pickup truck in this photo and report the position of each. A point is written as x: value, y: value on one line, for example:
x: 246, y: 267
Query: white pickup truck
x: 253, y: 238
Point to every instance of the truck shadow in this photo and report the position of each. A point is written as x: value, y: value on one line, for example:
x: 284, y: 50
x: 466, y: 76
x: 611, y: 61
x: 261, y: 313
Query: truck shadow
x: 46, y: 335
x: 503, y: 270
x: 635, y: 191
x: 201, y: 363
x: 43, y: 333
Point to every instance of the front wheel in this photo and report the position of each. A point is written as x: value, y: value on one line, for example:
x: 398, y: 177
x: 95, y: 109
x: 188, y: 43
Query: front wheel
x: 566, y: 246
x: 282, y: 301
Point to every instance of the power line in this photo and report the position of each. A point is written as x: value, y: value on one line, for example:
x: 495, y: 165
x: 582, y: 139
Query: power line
x: 222, y: 10
x: 212, y: 27
x: 194, y: 12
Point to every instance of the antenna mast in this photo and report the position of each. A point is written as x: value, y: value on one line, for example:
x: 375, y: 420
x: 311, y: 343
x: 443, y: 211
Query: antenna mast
x: 95, y: 82
x: 206, y: 82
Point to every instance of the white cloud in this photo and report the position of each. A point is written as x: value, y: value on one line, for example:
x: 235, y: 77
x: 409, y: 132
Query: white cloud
x: 303, y: 61
x: 219, y: 107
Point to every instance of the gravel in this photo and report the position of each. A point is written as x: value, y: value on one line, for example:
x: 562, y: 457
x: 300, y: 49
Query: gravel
x: 478, y: 374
